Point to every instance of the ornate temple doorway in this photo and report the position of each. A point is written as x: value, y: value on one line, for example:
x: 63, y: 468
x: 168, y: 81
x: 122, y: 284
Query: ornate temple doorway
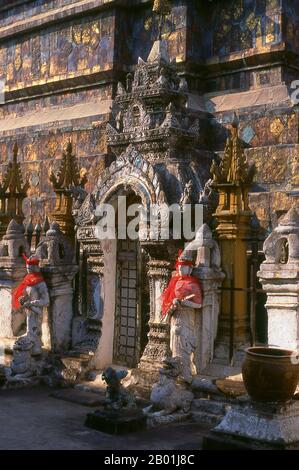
x: 132, y: 300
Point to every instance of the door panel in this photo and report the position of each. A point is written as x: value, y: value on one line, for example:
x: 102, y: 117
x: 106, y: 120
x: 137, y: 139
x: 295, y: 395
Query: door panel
x: 127, y: 335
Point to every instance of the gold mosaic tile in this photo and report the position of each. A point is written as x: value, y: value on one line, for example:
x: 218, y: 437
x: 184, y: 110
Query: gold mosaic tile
x: 251, y: 21
x: 276, y: 127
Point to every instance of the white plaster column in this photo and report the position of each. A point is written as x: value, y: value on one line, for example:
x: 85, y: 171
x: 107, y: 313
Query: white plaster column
x: 208, y: 316
x: 209, y: 272
x: 104, y: 352
x: 61, y: 308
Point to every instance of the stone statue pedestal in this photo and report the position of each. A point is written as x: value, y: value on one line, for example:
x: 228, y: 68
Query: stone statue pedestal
x: 116, y: 422
x: 59, y: 268
x: 211, y: 277
x: 279, y: 276
x: 258, y: 426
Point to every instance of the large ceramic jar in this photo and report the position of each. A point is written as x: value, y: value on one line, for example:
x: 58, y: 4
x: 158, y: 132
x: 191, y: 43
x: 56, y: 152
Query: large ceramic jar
x: 270, y: 374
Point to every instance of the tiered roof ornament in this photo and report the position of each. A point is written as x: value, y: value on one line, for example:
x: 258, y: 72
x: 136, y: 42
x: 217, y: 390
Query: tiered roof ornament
x: 68, y: 177
x: 150, y: 110
x: 233, y: 168
x: 13, y: 191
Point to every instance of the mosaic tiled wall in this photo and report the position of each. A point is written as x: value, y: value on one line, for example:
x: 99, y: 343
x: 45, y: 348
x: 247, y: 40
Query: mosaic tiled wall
x: 138, y: 29
x: 237, y: 25
x: 65, y: 100
x: 83, y: 47
x: 258, y: 127
x: 291, y: 21
x: 206, y: 37
x: 31, y: 8
x: 40, y: 153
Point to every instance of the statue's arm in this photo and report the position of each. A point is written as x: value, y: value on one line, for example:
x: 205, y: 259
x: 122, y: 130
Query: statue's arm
x: 188, y: 303
x: 44, y: 299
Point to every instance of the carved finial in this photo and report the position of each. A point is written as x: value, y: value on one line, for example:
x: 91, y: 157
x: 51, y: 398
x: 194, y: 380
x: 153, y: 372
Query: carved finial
x: 29, y: 227
x: 291, y: 218
x: 14, y: 228
x: 15, y: 151
x: 68, y: 174
x: 13, y: 191
x: 53, y: 230
x: 171, y: 119
x: 46, y: 225
x: 69, y: 147
x: 68, y: 177
x: 235, y: 123
x: 234, y: 167
x: 13, y: 180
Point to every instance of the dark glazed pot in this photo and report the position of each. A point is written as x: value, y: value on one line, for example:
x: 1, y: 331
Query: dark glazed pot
x: 269, y: 374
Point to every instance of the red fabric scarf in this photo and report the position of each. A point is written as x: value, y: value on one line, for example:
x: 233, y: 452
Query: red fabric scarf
x: 180, y: 287
x: 30, y: 280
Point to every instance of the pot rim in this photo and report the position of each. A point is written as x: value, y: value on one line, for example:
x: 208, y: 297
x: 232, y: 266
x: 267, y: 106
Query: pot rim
x: 254, y: 351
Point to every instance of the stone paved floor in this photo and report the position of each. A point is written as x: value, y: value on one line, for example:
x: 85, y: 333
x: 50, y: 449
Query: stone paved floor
x: 31, y: 419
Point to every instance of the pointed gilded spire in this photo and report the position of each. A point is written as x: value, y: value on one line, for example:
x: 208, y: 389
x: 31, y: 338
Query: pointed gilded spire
x: 68, y: 176
x: 233, y: 168
x: 13, y: 179
x: 13, y: 190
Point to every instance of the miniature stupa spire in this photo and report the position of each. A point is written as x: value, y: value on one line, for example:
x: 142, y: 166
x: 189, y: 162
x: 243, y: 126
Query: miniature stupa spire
x: 232, y: 180
x: 13, y: 191
x: 68, y: 176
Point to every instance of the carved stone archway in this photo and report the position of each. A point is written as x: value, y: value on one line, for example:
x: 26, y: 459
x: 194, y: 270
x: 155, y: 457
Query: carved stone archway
x: 132, y: 173
x: 131, y: 170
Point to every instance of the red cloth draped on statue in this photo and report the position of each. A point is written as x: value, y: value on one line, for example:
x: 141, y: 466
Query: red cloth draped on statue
x: 181, y: 287
x: 29, y: 280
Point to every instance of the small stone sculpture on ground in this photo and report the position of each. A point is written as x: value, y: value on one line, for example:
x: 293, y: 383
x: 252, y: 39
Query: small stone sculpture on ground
x: 167, y: 395
x: 117, y: 396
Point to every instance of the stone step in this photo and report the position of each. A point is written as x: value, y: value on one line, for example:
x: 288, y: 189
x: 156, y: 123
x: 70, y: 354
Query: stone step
x: 204, y: 387
x: 79, y: 354
x: 74, y: 362
x: 208, y: 411
x: 219, y: 370
x: 206, y: 418
x: 228, y: 390
x: 30, y: 382
x: 210, y: 406
x: 69, y: 368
